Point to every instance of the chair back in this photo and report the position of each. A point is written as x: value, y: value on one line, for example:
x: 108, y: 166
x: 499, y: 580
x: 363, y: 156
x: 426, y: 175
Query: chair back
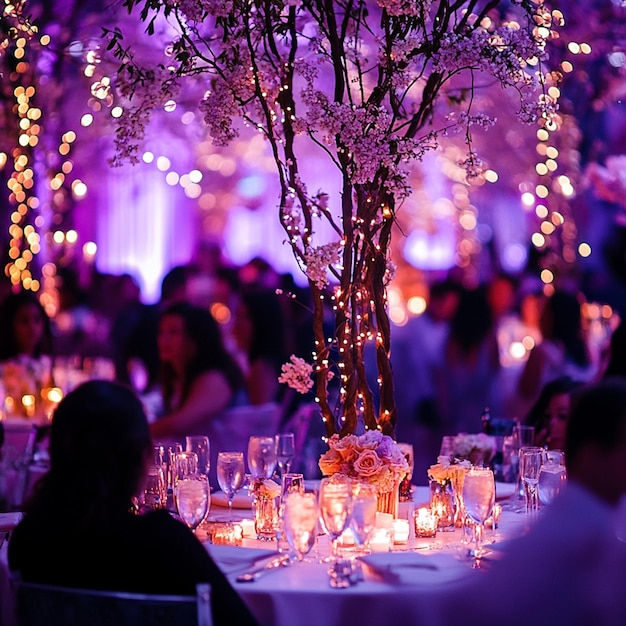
x: 46, y: 605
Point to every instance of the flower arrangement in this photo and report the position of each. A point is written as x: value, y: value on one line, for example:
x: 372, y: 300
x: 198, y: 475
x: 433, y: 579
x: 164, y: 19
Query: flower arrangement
x: 478, y: 448
x: 265, y: 488
x: 372, y: 457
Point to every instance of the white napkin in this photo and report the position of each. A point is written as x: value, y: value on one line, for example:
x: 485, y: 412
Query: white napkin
x: 240, y: 501
x: 413, y: 568
x: 234, y: 560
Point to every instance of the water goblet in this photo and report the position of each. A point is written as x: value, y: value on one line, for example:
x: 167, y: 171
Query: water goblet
x: 335, y: 503
x: 230, y: 476
x: 183, y: 464
x: 552, y: 476
x: 285, y: 451
x: 261, y: 456
x: 155, y: 490
x: 300, y: 522
x: 530, y: 461
x: 193, y: 499
x: 200, y: 445
x: 479, y: 495
x: 363, y: 520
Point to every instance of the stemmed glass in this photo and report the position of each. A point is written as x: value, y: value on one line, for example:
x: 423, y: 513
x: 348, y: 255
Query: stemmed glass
x: 300, y: 521
x: 192, y: 496
x: 200, y: 445
x: 552, y: 475
x: 335, y: 502
x: 261, y: 456
x: 479, y: 495
x: 231, y: 475
x: 285, y: 451
x: 363, y: 521
x: 530, y: 461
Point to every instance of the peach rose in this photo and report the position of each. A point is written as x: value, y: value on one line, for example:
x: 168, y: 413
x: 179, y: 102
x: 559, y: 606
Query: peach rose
x: 367, y: 464
x: 346, y: 448
x: 330, y: 462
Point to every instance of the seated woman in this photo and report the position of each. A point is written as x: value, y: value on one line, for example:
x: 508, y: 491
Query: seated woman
x: 550, y: 413
x: 25, y: 344
x: 79, y: 529
x: 199, y: 378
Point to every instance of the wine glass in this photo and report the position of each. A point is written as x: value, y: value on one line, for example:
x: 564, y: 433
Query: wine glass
x: 363, y: 521
x: 479, y: 495
x: 300, y: 521
x: 335, y: 503
x: 261, y: 456
x: 530, y: 461
x: 193, y: 499
x: 183, y: 464
x: 230, y: 476
x: 285, y: 451
x: 552, y: 475
x: 155, y: 489
x: 200, y: 445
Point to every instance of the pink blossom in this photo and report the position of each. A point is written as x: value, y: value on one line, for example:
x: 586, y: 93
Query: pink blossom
x: 367, y: 464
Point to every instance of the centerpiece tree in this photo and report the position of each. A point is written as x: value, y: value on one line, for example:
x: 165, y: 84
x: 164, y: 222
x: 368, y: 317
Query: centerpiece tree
x: 373, y: 85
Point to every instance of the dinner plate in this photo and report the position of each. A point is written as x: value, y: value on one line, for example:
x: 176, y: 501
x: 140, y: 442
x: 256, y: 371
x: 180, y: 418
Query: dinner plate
x: 241, y: 500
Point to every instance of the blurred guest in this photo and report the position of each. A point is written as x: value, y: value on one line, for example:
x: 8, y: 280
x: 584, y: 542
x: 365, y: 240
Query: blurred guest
x: 259, y: 331
x: 616, y: 357
x: 78, y: 529
x: 570, y: 568
x: 550, y: 413
x: 26, y: 344
x: 199, y: 378
x: 465, y: 379
x: 562, y: 351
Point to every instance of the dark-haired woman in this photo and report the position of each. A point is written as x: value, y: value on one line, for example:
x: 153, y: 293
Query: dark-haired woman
x: 78, y: 529
x: 199, y: 377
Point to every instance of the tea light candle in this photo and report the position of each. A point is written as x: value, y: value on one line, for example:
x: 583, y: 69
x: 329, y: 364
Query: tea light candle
x: 226, y: 534
x: 400, y: 530
x: 28, y: 402
x: 384, y: 520
x: 425, y: 523
x: 381, y: 540
x: 248, y: 528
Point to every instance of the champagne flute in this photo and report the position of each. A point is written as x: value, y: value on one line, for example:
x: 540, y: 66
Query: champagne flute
x: 479, y: 495
x: 300, y: 521
x: 335, y: 503
x: 230, y: 476
x: 285, y: 451
x: 261, y: 457
x: 530, y: 461
x: 193, y: 499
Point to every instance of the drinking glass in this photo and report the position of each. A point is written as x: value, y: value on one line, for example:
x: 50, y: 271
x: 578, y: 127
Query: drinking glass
x: 479, y: 495
x: 183, y: 464
x: 292, y: 482
x: 193, y: 499
x: 230, y: 476
x: 530, y: 461
x: 335, y: 503
x: 285, y: 451
x: 300, y: 521
x: 363, y: 521
x: 261, y: 456
x: 552, y: 475
x: 155, y: 489
x: 200, y: 445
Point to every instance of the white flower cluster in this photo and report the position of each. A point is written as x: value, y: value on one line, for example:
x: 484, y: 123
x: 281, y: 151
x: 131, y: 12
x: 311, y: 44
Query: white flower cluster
x: 318, y: 260
x: 405, y: 7
x: 297, y: 374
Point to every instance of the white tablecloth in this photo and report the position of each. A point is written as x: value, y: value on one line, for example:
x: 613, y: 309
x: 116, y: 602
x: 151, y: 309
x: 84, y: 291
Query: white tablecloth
x: 300, y: 594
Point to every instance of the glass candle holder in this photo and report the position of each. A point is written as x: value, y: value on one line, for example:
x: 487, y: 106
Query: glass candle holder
x: 425, y: 522
x: 266, y: 517
x: 400, y: 531
x: 442, y: 504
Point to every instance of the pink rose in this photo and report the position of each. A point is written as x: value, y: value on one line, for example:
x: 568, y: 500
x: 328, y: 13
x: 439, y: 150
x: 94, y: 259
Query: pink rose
x: 346, y: 448
x: 367, y: 464
x: 330, y: 462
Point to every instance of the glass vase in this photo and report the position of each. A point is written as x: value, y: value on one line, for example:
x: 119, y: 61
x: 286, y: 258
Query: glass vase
x: 458, y: 478
x: 266, y: 517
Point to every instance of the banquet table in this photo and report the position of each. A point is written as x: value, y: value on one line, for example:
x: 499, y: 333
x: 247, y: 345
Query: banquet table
x: 408, y: 584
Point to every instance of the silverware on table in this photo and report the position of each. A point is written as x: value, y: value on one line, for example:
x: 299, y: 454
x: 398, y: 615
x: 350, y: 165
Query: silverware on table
x: 273, y: 564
